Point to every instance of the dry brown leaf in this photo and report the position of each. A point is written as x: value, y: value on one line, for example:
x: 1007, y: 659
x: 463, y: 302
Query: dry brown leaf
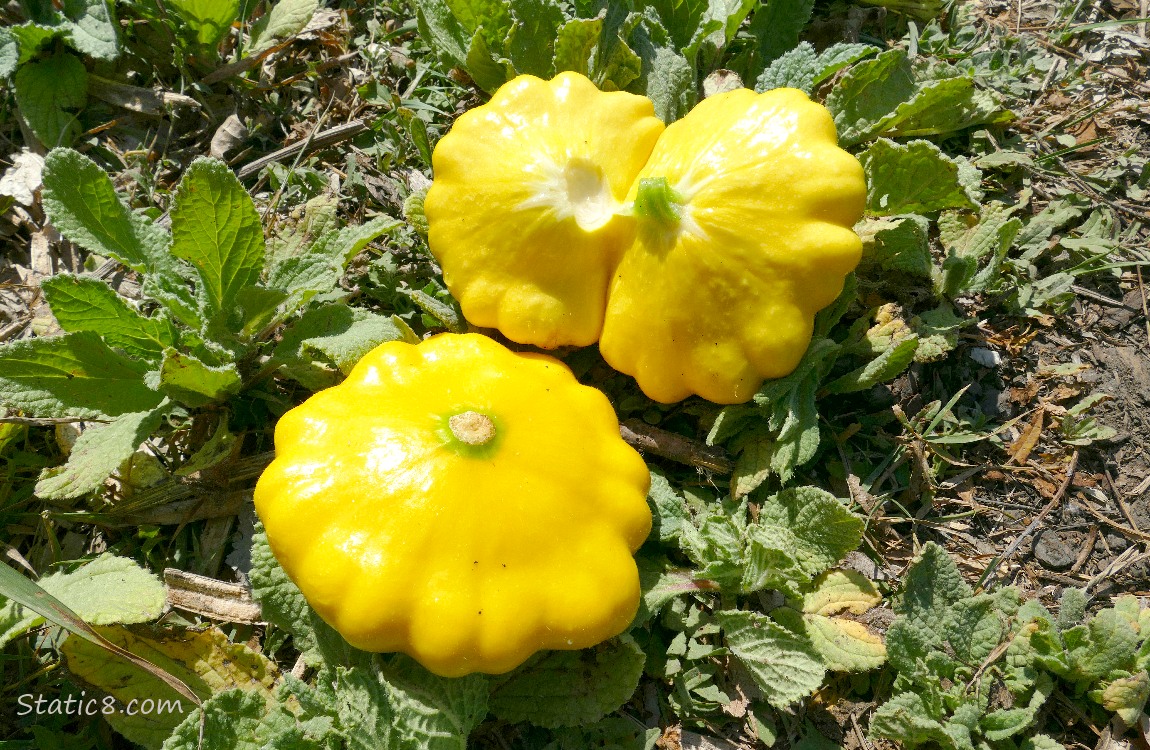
x: 1020, y: 449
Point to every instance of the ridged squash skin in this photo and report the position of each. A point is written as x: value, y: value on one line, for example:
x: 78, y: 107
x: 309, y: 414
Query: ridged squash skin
x: 720, y: 288
x: 526, y: 212
x: 468, y: 557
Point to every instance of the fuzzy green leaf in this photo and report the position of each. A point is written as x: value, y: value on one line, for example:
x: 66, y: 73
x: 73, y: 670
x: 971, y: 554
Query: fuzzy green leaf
x: 970, y: 242
x: 98, y: 452
x: 1126, y: 696
x: 531, y: 43
x: 334, y: 333
x: 82, y: 203
x: 668, y: 509
x: 575, y: 43
x: 216, y: 228
x: 883, y: 95
x: 882, y: 368
x: 442, y: 30
x: 208, y: 20
x: 803, y: 68
x: 569, y: 688
x: 671, y: 85
x: 933, y: 586
x: 49, y: 93
x: 85, y: 304
x: 916, y: 177
x: 285, y: 19
x: 74, y: 375
x: 107, y: 590
x: 433, y: 713
x: 775, y: 27
x: 194, y: 383
x: 9, y: 53
x: 92, y: 28
x: 937, y: 332
x: 905, y: 718
x: 824, y: 530
x: 240, y: 720
x: 784, y: 665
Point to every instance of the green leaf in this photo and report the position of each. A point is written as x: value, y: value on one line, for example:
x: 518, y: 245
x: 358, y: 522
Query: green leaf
x: 789, y: 404
x: 933, y: 586
x: 48, y: 93
x: 337, y: 334
x: 448, y: 314
x: 31, y: 37
x: 885, y: 96
x: 803, y: 68
x: 208, y: 20
x: 215, y: 227
x: 1110, y: 644
x: 82, y: 203
x: 882, y: 368
x: 194, y: 383
x: 614, y: 732
x: 905, y: 718
x: 824, y: 530
x: 756, y: 451
x: 575, y: 43
x: 937, y: 332
x: 92, y: 28
x: 9, y: 53
x: 969, y: 242
x: 239, y: 720
x: 900, y: 244
x: 1072, y: 607
x: 775, y: 27
x: 98, y: 452
x: 74, y: 375
x: 531, y: 43
x: 771, y: 561
x: 107, y: 590
x: 681, y: 18
x: 86, y: 304
x: 912, y: 178
x: 668, y: 509
x: 569, y: 688
x: 319, y: 268
x: 487, y: 68
x: 671, y: 85
x: 785, y: 666
x: 433, y: 713
x: 281, y: 601
x: 1041, y: 742
x: 974, y: 628
x: 285, y: 19
x: 443, y: 31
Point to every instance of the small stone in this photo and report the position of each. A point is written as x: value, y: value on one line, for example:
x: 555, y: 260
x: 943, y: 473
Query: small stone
x: 1053, y: 552
x: 1117, y: 542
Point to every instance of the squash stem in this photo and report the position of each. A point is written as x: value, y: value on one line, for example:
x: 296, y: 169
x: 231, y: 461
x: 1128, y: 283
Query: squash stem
x: 472, y: 428
x: 657, y: 200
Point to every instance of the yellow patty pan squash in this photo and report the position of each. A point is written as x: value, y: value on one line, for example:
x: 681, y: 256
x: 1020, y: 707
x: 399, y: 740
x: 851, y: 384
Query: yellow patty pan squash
x: 527, y: 214
x: 744, y: 213
x: 459, y: 502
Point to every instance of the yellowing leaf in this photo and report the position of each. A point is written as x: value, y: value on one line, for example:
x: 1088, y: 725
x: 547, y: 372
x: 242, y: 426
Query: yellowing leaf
x: 1126, y: 696
x: 839, y: 590
x: 206, y: 661
x: 845, y: 645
